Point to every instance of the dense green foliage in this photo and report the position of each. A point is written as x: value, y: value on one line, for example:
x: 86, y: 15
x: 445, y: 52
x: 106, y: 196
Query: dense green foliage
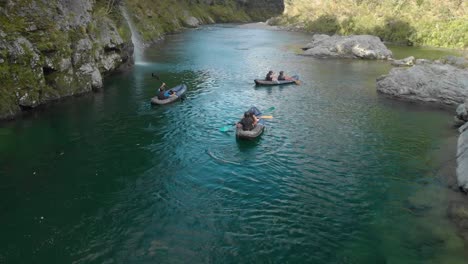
x: 439, y: 23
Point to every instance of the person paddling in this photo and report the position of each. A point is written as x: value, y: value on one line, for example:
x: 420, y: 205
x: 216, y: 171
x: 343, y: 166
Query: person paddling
x: 248, y: 122
x: 162, y: 92
x: 282, y: 77
x: 270, y: 76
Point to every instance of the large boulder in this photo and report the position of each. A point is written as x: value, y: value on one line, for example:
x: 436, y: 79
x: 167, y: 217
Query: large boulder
x: 357, y: 46
x: 428, y: 82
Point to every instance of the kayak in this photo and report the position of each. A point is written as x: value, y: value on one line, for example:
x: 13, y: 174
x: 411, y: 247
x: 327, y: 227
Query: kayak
x: 256, y: 131
x: 264, y: 82
x: 179, y: 91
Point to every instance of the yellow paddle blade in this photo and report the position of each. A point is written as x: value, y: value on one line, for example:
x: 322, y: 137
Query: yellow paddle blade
x: 266, y: 117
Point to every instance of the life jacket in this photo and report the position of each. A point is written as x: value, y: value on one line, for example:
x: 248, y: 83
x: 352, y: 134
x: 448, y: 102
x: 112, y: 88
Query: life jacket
x: 268, y: 77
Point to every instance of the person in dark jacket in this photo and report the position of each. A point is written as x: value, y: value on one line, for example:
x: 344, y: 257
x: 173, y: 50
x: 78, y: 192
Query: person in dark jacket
x: 270, y: 76
x: 248, y: 122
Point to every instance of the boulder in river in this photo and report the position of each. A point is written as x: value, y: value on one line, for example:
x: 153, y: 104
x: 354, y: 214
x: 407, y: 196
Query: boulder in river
x: 355, y: 46
x: 458, y: 213
x: 428, y: 82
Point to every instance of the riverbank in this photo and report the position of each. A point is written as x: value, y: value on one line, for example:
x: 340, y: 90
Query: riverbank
x: 423, y: 23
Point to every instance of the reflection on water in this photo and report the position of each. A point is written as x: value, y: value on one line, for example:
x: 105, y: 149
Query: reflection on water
x: 340, y: 175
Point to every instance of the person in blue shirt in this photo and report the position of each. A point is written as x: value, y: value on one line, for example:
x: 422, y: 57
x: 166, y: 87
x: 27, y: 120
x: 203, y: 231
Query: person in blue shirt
x: 162, y: 93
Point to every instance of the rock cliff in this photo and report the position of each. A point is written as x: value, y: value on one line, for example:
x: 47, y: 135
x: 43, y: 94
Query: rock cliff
x: 51, y: 49
x: 54, y: 49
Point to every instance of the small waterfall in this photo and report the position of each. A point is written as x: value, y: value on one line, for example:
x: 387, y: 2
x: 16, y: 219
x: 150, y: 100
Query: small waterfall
x: 137, y: 44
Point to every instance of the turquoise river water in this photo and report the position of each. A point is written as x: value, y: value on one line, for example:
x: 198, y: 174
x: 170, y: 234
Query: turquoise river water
x: 342, y: 174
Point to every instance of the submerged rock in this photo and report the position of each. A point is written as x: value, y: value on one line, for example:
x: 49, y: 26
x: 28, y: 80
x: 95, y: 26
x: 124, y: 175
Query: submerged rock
x: 357, y: 46
x: 458, y: 62
x: 404, y: 62
x: 428, y: 82
x: 458, y: 213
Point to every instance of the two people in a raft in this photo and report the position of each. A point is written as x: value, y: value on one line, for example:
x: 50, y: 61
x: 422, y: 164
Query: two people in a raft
x: 281, y: 77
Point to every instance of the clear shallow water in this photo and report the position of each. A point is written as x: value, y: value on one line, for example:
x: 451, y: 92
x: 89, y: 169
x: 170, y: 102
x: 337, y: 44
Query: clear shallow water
x: 341, y: 175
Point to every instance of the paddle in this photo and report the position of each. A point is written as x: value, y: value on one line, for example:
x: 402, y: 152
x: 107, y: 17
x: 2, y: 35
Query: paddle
x: 156, y: 76
x: 228, y: 127
x: 295, y: 79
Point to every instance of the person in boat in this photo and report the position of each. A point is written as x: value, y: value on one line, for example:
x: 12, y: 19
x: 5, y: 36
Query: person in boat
x: 270, y: 76
x: 162, y: 92
x: 282, y: 77
x: 248, y: 122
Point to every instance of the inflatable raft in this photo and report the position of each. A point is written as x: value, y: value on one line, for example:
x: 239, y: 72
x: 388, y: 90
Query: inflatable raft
x: 270, y: 83
x: 256, y: 131
x: 179, y: 91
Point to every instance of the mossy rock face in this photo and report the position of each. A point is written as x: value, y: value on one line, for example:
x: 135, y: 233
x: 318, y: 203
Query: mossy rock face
x: 54, y: 49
